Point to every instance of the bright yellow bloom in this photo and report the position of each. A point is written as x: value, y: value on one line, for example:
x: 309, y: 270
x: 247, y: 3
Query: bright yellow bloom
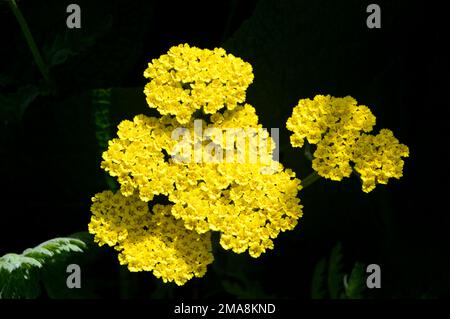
x: 188, y: 78
x: 218, y: 172
x: 248, y: 202
x: 312, y: 119
x: 336, y: 126
x: 149, y: 241
x: 378, y: 158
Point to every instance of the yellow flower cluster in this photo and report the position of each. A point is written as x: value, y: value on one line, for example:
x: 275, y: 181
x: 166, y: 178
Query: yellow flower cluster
x: 218, y: 172
x: 378, y: 158
x: 338, y: 126
x: 249, y: 203
x: 188, y: 78
x: 149, y: 241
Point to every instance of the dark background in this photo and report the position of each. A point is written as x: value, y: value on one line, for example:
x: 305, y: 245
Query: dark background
x: 50, y: 150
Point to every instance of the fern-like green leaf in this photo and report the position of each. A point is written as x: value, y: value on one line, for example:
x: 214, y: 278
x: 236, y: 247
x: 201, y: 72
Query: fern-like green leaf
x: 20, y: 274
x: 19, y: 277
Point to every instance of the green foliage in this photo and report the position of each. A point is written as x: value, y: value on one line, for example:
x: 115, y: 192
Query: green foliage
x: 318, y: 287
x: 69, y: 44
x: 330, y: 281
x: 101, y: 105
x: 335, y: 273
x: 243, y: 288
x: 19, y: 277
x: 20, y: 274
x: 354, y: 287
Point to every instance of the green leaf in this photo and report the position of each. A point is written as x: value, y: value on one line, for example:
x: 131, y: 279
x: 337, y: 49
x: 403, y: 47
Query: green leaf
x: 318, y: 286
x: 19, y: 277
x: 12, y: 262
x: 20, y: 274
x: 335, y: 273
x: 54, y: 247
x: 356, y: 284
x: 244, y: 289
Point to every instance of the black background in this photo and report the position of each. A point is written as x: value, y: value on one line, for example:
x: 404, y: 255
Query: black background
x: 50, y: 157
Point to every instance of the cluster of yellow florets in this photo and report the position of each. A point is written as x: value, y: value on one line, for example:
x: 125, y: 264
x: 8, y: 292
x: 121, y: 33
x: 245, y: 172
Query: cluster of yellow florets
x: 249, y: 203
x: 338, y: 127
x: 218, y: 172
x: 149, y: 241
x: 188, y: 78
x: 378, y: 158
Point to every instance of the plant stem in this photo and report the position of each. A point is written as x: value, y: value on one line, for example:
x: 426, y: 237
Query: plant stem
x: 29, y: 38
x: 310, y: 179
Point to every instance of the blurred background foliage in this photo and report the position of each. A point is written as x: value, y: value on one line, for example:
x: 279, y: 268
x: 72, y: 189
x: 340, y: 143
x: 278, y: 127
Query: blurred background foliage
x: 52, y: 134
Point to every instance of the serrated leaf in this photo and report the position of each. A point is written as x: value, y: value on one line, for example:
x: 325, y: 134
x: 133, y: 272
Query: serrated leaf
x: 356, y: 283
x: 85, y: 237
x: 39, y: 253
x: 53, y: 247
x: 20, y: 274
x: 19, y: 277
x: 11, y: 262
x: 318, y: 285
x: 335, y: 273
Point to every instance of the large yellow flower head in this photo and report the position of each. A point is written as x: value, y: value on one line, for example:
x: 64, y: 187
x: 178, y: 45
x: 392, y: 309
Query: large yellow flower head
x: 249, y: 202
x: 188, y: 78
x: 337, y: 126
x: 218, y: 172
x: 149, y: 241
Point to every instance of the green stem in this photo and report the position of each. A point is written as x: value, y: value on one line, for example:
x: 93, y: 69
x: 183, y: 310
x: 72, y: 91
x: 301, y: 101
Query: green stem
x: 29, y: 38
x: 310, y: 179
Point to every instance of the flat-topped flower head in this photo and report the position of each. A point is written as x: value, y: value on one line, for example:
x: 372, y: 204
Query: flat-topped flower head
x: 149, y: 240
x: 313, y: 119
x: 248, y: 202
x: 187, y: 79
x: 338, y: 127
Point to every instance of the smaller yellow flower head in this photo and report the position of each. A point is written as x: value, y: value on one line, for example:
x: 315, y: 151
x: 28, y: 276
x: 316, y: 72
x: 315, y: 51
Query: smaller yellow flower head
x: 312, y: 119
x: 149, y: 241
x: 378, y: 158
x: 188, y: 78
x: 337, y: 127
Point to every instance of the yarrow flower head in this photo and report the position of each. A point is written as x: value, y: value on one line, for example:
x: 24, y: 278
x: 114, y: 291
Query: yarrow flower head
x: 249, y: 203
x: 188, y: 78
x: 208, y: 156
x: 149, y: 240
x: 337, y: 127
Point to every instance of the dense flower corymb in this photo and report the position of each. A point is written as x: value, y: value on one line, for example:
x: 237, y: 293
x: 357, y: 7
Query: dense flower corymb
x: 210, y: 158
x: 338, y: 127
x: 248, y: 203
x: 149, y: 241
x: 188, y: 78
